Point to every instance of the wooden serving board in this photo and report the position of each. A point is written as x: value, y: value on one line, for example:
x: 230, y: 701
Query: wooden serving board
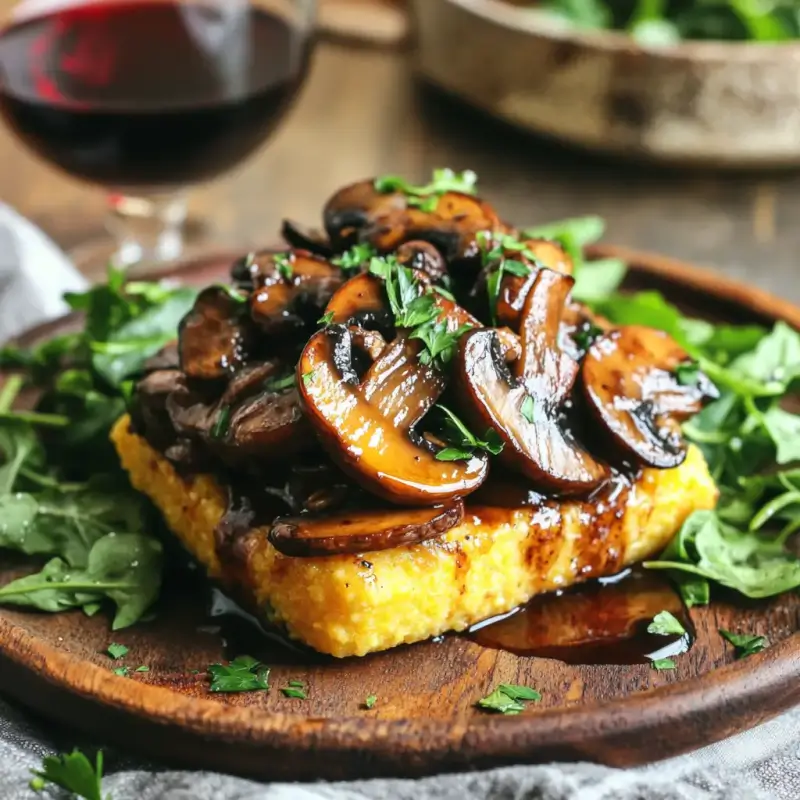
x: 424, y: 720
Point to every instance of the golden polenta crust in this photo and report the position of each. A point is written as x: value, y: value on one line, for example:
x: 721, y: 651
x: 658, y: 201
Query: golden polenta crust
x: 493, y: 561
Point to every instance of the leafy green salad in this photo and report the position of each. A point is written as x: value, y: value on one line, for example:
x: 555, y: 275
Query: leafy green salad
x: 65, y: 499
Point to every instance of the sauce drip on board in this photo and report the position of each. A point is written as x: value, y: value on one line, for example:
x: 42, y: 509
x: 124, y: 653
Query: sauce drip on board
x: 602, y: 622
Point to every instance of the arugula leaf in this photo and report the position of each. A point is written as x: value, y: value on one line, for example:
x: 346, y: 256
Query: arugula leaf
x: 665, y: 624
x: 746, y: 644
x: 508, y: 699
x: 754, y: 565
x: 75, y: 773
x: 582, y: 231
x: 116, y: 650
x: 243, y: 674
x: 775, y: 360
x: 463, y: 442
x: 598, y: 279
x: 663, y: 663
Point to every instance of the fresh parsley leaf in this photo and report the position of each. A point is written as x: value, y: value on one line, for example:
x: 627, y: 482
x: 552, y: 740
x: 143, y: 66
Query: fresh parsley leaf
x: 528, y: 409
x: 121, y: 671
x: 222, y: 424
x: 746, y: 644
x: 308, y: 377
x: 663, y: 663
x: 440, y: 343
x: 426, y: 197
x: 243, y: 674
x: 463, y: 443
x: 508, y: 699
x: 116, y: 651
x: 370, y: 701
x: 326, y: 318
x: 354, y: 258
x: 75, y: 773
x: 687, y: 373
x: 283, y: 264
x: 142, y: 669
x: 585, y: 337
x: 279, y: 384
x: 294, y: 691
x: 296, y: 684
x: 665, y: 624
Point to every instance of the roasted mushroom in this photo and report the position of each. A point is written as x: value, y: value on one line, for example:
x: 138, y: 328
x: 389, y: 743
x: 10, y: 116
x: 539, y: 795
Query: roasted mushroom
x: 289, y: 289
x: 362, y: 531
x: 360, y: 213
x: 424, y: 259
x: 641, y: 385
x: 213, y: 336
x: 304, y: 238
x: 527, y: 408
x: 361, y: 301
x: 514, y: 288
x: 367, y: 424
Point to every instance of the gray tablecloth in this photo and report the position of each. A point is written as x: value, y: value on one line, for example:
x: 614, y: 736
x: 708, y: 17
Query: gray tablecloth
x: 762, y: 764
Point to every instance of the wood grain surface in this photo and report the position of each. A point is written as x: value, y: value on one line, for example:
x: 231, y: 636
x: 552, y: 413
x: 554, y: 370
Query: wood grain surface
x: 424, y: 720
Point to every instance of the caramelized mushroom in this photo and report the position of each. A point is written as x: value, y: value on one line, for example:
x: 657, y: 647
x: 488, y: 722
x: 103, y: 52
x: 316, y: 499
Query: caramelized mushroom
x: 367, y: 424
x: 514, y: 288
x: 527, y: 408
x: 632, y: 381
x: 424, y: 258
x: 361, y: 301
x: 302, y: 237
x: 290, y: 289
x: 212, y: 337
x: 362, y: 531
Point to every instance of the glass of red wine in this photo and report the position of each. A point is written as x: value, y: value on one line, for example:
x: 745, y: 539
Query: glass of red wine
x: 146, y: 98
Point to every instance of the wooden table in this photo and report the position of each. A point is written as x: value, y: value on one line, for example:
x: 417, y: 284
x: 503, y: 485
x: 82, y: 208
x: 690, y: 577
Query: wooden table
x: 361, y: 113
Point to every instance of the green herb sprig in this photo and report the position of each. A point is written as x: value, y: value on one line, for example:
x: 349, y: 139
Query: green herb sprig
x: 426, y: 197
x: 74, y: 773
x: 243, y: 674
x: 508, y: 699
x: 746, y: 644
x: 462, y: 443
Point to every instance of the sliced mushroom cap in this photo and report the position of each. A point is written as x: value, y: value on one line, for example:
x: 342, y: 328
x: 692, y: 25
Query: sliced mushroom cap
x: 631, y: 379
x: 527, y: 408
x: 362, y: 301
x: 290, y: 289
x: 424, y: 258
x: 213, y: 336
x: 514, y: 288
x: 362, y: 531
x: 367, y: 424
x: 353, y: 207
x: 302, y: 237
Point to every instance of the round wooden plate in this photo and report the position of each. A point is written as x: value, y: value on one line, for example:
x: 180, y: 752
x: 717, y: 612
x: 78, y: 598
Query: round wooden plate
x: 424, y: 720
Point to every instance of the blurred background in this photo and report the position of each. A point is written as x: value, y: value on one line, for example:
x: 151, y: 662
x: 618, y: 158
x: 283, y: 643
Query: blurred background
x: 373, y: 104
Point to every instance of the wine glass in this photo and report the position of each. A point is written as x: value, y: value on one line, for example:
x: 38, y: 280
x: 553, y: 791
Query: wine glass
x: 146, y: 98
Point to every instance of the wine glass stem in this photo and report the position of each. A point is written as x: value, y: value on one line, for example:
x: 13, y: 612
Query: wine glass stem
x: 148, y: 229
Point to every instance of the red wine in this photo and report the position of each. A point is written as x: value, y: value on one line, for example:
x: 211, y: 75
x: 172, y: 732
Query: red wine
x: 142, y: 95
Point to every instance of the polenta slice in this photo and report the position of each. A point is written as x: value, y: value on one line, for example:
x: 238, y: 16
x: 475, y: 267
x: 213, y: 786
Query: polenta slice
x: 494, y: 560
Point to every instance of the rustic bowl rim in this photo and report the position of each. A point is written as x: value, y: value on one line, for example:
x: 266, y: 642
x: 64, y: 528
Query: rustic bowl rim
x: 521, y: 20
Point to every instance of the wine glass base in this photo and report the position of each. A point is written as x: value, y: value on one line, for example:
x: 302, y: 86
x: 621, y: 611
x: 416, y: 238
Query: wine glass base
x: 197, y: 262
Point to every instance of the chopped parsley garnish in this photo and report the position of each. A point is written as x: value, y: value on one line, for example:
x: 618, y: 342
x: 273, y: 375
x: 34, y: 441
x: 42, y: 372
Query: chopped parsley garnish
x: 294, y: 689
x: 585, y: 337
x: 296, y: 683
x: 326, y: 318
x: 508, y: 699
x: 121, y: 671
x: 74, y: 773
x: 414, y: 307
x: 426, y: 197
x: 222, y: 423
x: 462, y: 442
x: 283, y: 263
x: 665, y: 624
x: 308, y: 376
x: 142, y: 669
x: 116, y: 650
x: 354, y: 258
x: 528, y: 409
x: 688, y: 373
x: 493, y: 249
x: 243, y: 674
x: 279, y: 384
x: 663, y: 663
x: 746, y: 644
x: 370, y: 701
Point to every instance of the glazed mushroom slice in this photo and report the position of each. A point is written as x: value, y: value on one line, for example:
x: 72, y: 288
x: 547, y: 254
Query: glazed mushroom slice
x: 425, y: 259
x: 514, y: 288
x: 361, y: 301
x: 641, y: 385
x: 213, y: 336
x: 527, y: 405
x: 290, y: 289
x: 368, y: 424
x: 362, y: 531
x: 302, y: 237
